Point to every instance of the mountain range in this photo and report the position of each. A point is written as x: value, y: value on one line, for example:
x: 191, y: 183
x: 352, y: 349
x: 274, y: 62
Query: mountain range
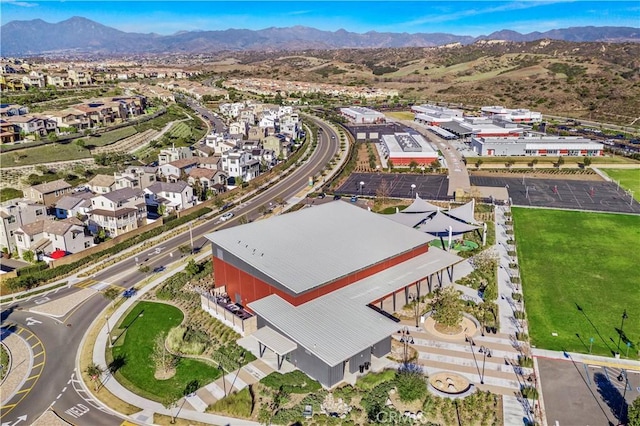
x: 82, y: 36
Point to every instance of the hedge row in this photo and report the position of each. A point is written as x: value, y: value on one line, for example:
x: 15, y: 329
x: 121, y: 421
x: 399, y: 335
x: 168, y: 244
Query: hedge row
x: 37, y: 277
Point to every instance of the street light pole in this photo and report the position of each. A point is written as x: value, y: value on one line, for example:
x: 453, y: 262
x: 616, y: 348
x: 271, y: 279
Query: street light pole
x: 106, y: 317
x: 191, y: 236
x: 361, y: 186
x: 413, y: 187
x: 624, y: 317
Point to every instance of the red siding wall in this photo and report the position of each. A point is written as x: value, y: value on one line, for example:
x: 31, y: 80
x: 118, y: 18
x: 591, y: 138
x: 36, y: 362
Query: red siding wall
x: 406, y: 161
x: 251, y: 288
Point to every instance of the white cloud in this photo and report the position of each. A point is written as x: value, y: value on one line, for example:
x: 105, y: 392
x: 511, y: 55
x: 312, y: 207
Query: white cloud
x: 19, y: 3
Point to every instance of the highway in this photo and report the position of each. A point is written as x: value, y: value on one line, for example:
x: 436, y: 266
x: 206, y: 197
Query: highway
x: 57, y: 380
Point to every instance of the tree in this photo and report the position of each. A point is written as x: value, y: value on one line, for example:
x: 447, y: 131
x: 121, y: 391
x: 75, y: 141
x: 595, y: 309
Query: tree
x: 411, y: 382
x: 534, y: 162
x: 145, y: 269
x: 586, y: 162
x: 479, y: 163
x: 184, y: 249
x: 94, y: 371
x: 447, y: 307
x: 192, y: 268
x: 383, y: 191
x: 560, y: 162
x: 162, y: 209
x: 486, y: 261
x: 509, y: 163
x: 262, y: 210
x: 29, y: 256
x: 413, y: 164
x: 112, y: 294
x: 435, y: 164
x: 633, y: 413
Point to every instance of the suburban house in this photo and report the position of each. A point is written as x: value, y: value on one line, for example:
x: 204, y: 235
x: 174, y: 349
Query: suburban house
x: 240, y: 164
x: 204, y: 151
x: 46, y: 236
x: 74, y: 205
x: 118, y: 212
x: 14, y: 214
x: 209, y: 179
x: 9, y: 110
x: 9, y: 132
x: 213, y: 162
x: 278, y: 144
x: 136, y: 177
x: 169, y: 155
x: 48, y: 193
x: 33, y: 125
x: 220, y: 143
x: 174, y: 196
x: 173, y: 171
x: 101, y: 184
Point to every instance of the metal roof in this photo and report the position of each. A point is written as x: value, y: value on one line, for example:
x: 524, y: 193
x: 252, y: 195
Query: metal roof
x: 274, y: 340
x: 286, y: 248
x: 338, y: 325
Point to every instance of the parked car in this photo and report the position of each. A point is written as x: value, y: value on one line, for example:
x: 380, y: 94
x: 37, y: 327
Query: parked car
x: 354, y: 199
x: 226, y: 216
x: 336, y: 197
x: 129, y: 292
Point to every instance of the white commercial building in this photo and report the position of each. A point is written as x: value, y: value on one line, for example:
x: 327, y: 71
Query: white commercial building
x: 362, y: 115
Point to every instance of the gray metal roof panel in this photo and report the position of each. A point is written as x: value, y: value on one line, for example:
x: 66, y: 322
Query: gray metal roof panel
x: 274, y: 340
x: 349, y: 238
x: 338, y: 325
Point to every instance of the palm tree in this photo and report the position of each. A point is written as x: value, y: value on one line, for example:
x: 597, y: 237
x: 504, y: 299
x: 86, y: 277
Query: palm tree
x: 94, y: 371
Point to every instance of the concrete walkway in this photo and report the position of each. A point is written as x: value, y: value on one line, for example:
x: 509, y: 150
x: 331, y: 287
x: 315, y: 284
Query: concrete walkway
x: 20, y: 361
x: 458, y: 174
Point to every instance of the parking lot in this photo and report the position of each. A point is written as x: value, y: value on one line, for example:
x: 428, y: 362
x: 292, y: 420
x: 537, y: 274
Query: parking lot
x: 433, y: 187
x: 577, y: 394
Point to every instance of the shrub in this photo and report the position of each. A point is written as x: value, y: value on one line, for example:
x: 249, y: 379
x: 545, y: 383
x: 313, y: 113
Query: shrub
x: 515, y: 280
x: 372, y: 380
x: 236, y: 404
x: 519, y: 315
x: 525, y: 361
x: 517, y: 297
x: 529, y: 392
x: 374, y: 401
x: 523, y: 337
x: 293, y: 382
x: 411, y: 383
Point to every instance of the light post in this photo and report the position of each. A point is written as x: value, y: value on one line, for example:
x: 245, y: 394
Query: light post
x: 106, y: 318
x: 224, y: 383
x: 486, y: 353
x: 624, y: 317
x: 361, y: 186
x: 416, y: 306
x: 191, y: 237
x: 405, y: 339
x: 590, y: 344
x: 623, y: 376
x: 413, y: 188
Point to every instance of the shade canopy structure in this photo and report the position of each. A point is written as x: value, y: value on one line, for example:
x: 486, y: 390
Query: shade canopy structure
x: 409, y: 219
x: 420, y: 206
x: 440, y: 223
x: 464, y: 212
x: 58, y: 254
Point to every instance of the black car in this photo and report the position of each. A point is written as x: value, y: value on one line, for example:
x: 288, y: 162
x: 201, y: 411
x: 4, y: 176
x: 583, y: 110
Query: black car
x: 336, y: 197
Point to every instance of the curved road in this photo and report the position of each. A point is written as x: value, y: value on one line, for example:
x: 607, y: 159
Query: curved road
x: 57, y: 380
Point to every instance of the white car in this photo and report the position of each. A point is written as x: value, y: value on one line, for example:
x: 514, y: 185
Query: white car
x: 226, y: 216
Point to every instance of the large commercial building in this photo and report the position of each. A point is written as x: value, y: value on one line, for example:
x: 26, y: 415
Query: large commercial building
x: 434, y: 115
x: 322, y: 281
x: 552, y: 146
x: 404, y: 148
x: 519, y: 115
x: 362, y: 115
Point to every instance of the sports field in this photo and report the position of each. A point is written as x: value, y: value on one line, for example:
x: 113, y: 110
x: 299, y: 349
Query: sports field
x: 579, y: 273
x: 628, y: 178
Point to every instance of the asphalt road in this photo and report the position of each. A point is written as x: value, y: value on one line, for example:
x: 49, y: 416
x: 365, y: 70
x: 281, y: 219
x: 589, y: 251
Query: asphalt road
x: 57, y: 381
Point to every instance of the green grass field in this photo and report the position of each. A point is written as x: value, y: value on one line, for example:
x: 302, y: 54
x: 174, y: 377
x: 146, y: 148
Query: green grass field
x: 44, y: 154
x: 628, y: 178
x: 138, y: 370
x: 401, y: 115
x: 579, y: 273
x: 113, y: 136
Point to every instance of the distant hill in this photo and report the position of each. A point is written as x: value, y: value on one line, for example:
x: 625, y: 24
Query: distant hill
x: 81, y: 35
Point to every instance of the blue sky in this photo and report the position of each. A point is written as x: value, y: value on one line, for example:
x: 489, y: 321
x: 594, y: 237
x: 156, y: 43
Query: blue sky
x: 458, y: 17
